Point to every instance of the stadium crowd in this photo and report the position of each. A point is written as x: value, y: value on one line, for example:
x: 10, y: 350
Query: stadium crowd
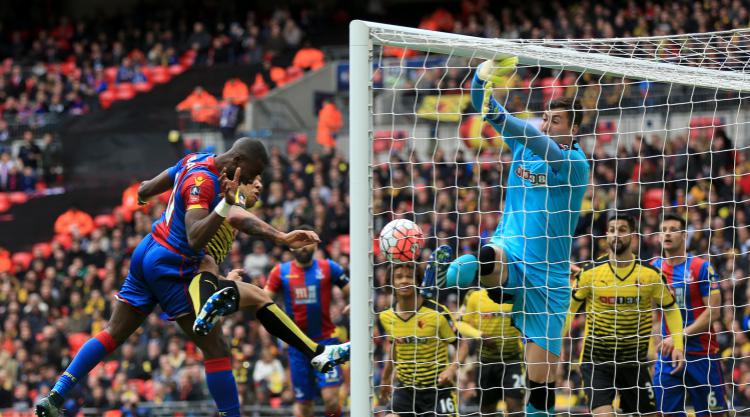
x: 589, y: 19
x: 61, y: 69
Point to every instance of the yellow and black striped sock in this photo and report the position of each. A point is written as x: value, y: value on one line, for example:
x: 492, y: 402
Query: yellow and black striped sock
x: 280, y: 325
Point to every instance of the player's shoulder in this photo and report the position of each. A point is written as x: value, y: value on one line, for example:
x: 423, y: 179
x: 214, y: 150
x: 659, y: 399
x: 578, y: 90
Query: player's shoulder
x: 431, y: 304
x: 648, y: 266
x: 590, y: 266
x: 649, y: 271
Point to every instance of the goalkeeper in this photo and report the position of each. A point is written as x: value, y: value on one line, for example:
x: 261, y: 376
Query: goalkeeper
x: 528, y: 257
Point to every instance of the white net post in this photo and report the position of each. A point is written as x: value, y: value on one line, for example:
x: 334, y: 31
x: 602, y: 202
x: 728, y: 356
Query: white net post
x: 360, y: 133
x: 683, y: 96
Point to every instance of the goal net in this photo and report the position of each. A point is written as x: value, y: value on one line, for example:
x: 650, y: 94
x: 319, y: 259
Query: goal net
x: 664, y: 127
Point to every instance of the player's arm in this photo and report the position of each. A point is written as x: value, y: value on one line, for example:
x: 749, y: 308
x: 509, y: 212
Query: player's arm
x: 449, y: 334
x: 155, y: 186
x: 709, y: 289
x: 468, y: 325
x: 578, y: 298
x: 702, y: 323
x: 389, y: 349
x: 200, y: 223
x: 273, y: 285
x: 511, y: 127
x: 252, y: 225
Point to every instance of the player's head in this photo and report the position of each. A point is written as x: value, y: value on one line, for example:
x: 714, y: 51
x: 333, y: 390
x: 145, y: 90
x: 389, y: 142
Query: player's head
x: 304, y: 255
x: 251, y: 192
x: 673, y: 233
x: 561, y: 119
x: 404, y: 278
x: 249, y: 155
x: 620, y: 230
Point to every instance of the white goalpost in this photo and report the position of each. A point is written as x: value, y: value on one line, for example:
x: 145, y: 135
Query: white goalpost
x: 665, y: 126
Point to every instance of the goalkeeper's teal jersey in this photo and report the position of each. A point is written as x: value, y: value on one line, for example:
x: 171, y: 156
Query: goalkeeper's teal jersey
x: 542, y: 205
x: 546, y: 186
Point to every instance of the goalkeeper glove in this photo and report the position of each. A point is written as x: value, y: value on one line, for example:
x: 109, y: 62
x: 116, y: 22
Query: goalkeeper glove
x: 494, y: 72
x: 437, y: 270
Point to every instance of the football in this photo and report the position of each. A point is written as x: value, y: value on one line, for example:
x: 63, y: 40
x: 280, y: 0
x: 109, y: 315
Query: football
x: 400, y: 241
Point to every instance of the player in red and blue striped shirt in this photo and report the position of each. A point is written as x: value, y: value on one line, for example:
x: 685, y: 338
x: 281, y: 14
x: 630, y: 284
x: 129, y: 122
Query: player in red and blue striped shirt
x: 306, y: 285
x: 696, y: 289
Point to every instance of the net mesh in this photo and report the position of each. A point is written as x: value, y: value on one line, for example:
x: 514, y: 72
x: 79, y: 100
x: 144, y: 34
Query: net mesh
x: 664, y: 127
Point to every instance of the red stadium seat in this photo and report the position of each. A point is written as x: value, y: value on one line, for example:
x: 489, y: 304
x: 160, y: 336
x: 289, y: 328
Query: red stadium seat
x: 293, y: 73
x: 76, y: 341
x: 605, y: 131
x: 160, y: 75
x: 110, y: 74
x: 44, y: 247
x: 345, y: 243
x: 138, y: 384
x: 653, y: 198
x: 125, y: 91
x: 259, y: 87
x: 4, y: 203
x: 177, y: 69
x: 278, y: 76
x: 113, y: 413
x: 23, y: 259
x: 110, y: 368
x: 143, y: 87
x: 18, y: 197
x: 64, y: 240
x: 105, y: 220
x: 106, y: 98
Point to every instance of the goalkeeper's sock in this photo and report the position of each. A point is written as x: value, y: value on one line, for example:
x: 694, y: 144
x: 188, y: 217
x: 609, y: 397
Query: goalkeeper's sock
x: 280, y: 325
x: 91, y: 353
x: 531, y: 411
x: 222, y: 386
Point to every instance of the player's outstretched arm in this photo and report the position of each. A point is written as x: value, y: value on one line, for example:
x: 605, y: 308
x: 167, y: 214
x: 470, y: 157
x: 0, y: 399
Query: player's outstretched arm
x: 251, y: 224
x: 511, y: 127
x: 155, y: 186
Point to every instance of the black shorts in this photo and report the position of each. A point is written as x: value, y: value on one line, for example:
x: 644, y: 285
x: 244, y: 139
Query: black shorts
x: 424, y: 402
x: 633, y: 383
x: 499, y: 381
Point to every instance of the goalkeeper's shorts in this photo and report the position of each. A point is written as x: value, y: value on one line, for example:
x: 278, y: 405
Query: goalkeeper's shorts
x: 543, y: 297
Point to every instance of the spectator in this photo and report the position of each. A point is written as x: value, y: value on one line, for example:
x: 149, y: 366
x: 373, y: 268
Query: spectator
x: 74, y: 222
x: 203, y: 107
x: 268, y: 375
x: 30, y: 153
x: 236, y: 91
x: 330, y: 121
x: 229, y: 119
x: 199, y: 42
x: 257, y: 262
x: 4, y: 136
x: 51, y: 159
x: 6, y: 396
x: 309, y: 58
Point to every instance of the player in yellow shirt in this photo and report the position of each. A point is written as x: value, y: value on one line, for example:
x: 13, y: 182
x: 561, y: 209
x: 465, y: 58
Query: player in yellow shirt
x: 418, y: 332
x: 500, y: 352
x: 619, y: 292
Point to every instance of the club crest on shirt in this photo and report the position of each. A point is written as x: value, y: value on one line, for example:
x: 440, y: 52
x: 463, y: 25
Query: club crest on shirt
x: 195, y: 190
x: 534, y: 179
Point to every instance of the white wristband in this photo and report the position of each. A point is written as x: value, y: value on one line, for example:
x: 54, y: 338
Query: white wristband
x: 222, y: 209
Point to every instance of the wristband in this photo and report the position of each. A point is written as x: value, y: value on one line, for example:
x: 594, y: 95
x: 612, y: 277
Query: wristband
x: 222, y: 209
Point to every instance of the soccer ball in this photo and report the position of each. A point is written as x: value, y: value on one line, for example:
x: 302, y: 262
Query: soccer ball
x: 400, y: 241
